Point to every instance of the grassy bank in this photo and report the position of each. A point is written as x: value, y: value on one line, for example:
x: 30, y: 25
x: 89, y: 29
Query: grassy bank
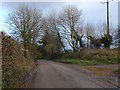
x: 15, y: 67
x: 91, y: 57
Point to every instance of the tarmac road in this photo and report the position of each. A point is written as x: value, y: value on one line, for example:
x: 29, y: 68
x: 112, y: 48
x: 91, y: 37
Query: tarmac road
x: 50, y: 74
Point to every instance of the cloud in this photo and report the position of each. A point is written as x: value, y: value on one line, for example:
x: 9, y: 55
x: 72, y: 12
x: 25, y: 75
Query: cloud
x: 55, y: 0
x: 93, y: 12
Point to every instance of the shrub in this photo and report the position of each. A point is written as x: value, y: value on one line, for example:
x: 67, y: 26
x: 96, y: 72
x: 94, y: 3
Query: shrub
x: 14, y: 65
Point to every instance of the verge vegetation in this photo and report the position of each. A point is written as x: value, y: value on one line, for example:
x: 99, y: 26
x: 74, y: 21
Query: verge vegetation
x: 14, y: 65
x: 91, y: 57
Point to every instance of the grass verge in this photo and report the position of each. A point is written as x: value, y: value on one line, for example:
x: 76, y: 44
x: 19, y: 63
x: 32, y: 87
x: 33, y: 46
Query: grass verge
x: 91, y: 57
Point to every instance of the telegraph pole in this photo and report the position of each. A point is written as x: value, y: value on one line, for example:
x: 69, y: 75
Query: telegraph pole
x: 108, y: 18
x: 108, y: 25
x: 108, y: 37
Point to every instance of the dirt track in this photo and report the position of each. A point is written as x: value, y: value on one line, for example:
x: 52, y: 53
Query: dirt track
x: 54, y: 75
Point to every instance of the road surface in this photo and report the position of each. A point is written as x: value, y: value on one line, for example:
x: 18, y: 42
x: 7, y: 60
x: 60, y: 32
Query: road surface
x: 50, y: 74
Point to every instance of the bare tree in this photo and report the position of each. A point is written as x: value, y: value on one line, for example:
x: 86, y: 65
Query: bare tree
x: 25, y: 23
x: 54, y: 24
x: 70, y: 25
x: 51, y: 40
x: 104, y: 37
x: 90, y: 32
x: 101, y: 30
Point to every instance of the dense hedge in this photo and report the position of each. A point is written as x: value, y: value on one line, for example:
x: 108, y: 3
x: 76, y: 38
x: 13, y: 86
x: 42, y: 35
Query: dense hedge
x: 14, y: 65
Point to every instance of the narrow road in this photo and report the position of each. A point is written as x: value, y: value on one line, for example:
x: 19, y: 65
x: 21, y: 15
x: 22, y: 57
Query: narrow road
x: 54, y: 75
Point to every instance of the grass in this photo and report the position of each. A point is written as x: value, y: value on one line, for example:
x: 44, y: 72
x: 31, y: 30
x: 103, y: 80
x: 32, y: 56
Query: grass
x: 91, y: 57
x: 85, y: 62
x: 117, y: 71
x: 23, y: 73
x: 16, y: 76
x: 99, y: 71
x: 75, y: 61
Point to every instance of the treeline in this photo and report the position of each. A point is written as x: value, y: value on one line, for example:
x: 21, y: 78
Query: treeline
x: 57, y: 32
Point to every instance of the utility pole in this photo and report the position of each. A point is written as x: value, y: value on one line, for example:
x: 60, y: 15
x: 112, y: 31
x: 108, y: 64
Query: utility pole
x: 108, y: 17
x: 108, y: 25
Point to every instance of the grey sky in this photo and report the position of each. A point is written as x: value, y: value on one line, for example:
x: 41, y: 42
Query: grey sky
x: 119, y: 13
x: 93, y: 12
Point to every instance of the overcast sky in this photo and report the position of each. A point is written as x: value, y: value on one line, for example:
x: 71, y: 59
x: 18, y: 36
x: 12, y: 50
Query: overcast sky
x: 93, y: 12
